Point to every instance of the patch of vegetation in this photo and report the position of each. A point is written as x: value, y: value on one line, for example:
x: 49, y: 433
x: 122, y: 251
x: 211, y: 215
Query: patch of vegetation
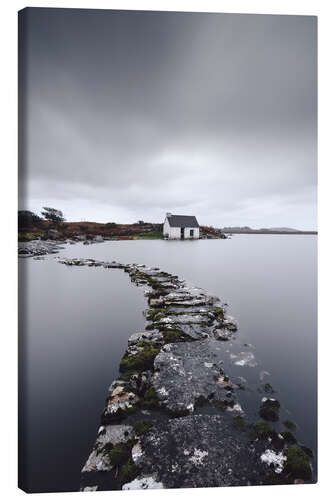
x: 119, y: 453
x: 269, y: 410
x: 298, y: 463
x: 152, y: 235
x: 219, y: 312
x: 290, y: 425
x: 289, y: 437
x: 142, y: 426
x: 119, y: 415
x: 150, y: 399
x: 153, y: 314
x: 143, y: 360
x: 263, y: 430
x: 26, y: 236
x: 238, y: 423
x: 308, y: 451
x: 174, y: 335
x: 129, y: 471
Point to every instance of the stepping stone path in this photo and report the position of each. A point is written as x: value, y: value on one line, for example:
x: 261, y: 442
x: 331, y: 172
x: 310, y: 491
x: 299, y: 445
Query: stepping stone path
x: 172, y: 419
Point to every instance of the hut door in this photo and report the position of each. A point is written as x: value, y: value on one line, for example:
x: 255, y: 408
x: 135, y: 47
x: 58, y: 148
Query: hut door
x: 182, y: 233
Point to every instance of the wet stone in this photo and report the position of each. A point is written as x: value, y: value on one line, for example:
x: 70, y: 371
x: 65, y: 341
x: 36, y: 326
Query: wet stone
x: 187, y: 371
x: 200, y: 451
x: 108, y: 435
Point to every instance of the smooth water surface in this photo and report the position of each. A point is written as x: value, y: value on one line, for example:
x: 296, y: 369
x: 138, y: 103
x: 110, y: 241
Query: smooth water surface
x: 77, y: 321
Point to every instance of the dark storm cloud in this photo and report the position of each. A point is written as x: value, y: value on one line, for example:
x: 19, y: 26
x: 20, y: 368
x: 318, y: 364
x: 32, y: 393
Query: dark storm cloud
x: 133, y: 114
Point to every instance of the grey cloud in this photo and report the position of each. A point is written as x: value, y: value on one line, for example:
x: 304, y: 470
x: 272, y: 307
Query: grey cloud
x: 132, y: 114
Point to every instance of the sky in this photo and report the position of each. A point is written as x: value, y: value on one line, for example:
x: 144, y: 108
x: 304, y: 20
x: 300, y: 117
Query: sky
x: 127, y: 115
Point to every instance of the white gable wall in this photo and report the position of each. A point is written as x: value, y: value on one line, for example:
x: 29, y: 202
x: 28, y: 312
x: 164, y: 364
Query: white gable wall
x: 174, y: 233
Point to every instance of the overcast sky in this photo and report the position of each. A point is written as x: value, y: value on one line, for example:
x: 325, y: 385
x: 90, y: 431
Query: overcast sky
x: 128, y: 115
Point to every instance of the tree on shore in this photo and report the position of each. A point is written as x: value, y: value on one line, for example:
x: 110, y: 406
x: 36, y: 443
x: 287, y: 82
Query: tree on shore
x: 28, y: 219
x: 53, y: 215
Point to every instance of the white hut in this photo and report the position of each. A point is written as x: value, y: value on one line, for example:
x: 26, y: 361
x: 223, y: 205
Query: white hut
x: 181, y: 227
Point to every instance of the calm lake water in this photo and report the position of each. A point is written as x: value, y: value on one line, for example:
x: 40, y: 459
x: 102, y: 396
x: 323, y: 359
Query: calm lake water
x: 75, y: 323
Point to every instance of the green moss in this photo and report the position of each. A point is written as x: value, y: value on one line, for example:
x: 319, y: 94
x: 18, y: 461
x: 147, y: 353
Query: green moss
x: 142, y: 426
x: 144, y: 360
x: 290, y: 425
x: 129, y: 471
x: 238, y: 423
x: 119, y: 415
x: 269, y: 410
x: 298, y: 463
x: 120, y: 453
x: 154, y: 314
x: 263, y: 430
x: 219, y: 312
x: 308, y: 451
x: 150, y: 399
x: 152, y: 235
x: 289, y: 437
x: 30, y: 236
x: 174, y: 335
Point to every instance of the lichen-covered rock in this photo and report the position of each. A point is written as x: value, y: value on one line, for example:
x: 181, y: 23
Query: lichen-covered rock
x: 185, y: 372
x: 148, y: 335
x: 118, y: 405
x: 143, y: 483
x: 274, y: 459
x: 108, y: 435
x: 175, y: 368
x: 200, y: 451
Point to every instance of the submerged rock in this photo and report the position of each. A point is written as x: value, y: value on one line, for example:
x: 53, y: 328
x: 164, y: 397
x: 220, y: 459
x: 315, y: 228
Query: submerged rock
x: 222, y: 334
x: 244, y: 359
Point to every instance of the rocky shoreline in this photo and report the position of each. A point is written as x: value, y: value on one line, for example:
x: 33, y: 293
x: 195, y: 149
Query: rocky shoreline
x: 173, y: 418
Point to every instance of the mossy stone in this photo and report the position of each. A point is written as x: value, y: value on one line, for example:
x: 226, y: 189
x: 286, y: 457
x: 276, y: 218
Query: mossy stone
x: 298, y: 463
x: 263, y: 430
x: 269, y: 410
x: 143, y: 360
x: 142, y: 426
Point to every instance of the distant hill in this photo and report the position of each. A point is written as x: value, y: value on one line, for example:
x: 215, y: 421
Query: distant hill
x: 282, y: 229
x: 270, y: 230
